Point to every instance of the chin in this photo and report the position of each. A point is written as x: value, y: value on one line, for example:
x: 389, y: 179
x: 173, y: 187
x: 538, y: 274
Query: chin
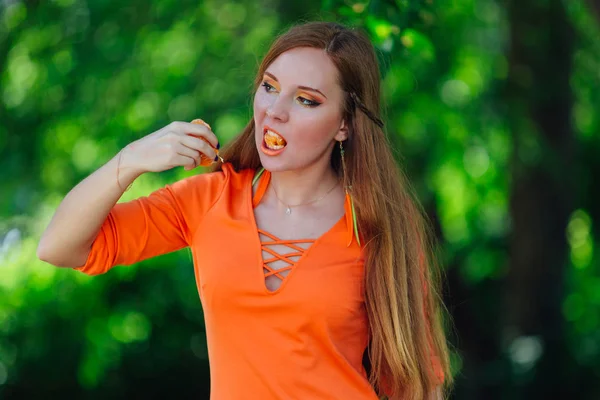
x: 273, y: 165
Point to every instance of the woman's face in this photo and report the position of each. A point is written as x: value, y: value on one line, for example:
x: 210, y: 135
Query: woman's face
x: 297, y: 110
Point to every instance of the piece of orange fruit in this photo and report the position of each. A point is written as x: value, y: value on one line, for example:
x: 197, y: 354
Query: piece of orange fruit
x: 274, y: 140
x: 204, y: 160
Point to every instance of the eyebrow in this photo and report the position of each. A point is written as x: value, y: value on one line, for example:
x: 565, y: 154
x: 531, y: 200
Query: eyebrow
x: 299, y: 87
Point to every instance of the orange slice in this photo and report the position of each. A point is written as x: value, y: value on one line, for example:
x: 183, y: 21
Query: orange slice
x: 272, y: 140
x: 204, y: 160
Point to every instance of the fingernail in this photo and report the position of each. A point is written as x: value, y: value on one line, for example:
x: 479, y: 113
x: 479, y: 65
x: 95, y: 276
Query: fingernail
x: 218, y: 145
x: 216, y: 158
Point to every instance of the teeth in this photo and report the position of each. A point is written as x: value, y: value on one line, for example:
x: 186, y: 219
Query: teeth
x: 274, y: 141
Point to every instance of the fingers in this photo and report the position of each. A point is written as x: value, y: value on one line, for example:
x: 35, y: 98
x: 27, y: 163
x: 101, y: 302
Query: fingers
x: 199, y: 130
x: 199, y: 145
x: 189, y: 165
x: 194, y: 143
x: 188, y: 157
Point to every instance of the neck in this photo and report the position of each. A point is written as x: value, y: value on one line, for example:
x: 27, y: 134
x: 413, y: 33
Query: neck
x: 303, y: 185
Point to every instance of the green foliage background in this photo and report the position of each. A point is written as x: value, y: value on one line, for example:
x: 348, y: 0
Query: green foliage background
x: 488, y: 104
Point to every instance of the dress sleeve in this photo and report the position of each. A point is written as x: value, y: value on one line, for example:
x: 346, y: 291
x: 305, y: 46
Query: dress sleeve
x: 160, y: 223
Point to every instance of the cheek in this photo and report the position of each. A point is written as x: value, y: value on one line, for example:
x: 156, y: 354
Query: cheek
x: 259, y: 109
x: 320, y: 126
x: 260, y: 105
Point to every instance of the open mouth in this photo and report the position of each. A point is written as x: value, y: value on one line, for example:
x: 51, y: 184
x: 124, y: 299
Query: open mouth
x: 273, y: 140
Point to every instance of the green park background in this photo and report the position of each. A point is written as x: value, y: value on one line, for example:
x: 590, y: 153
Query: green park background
x: 491, y: 106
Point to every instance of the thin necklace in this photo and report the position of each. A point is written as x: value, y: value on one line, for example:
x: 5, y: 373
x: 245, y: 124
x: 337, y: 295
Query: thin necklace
x: 288, y: 209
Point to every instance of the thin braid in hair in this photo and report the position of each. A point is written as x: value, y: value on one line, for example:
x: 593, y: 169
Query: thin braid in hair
x: 365, y: 110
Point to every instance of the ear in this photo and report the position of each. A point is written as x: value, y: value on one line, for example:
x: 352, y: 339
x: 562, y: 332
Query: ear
x: 342, y: 133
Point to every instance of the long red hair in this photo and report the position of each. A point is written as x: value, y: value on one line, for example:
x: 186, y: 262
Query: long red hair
x: 401, y: 278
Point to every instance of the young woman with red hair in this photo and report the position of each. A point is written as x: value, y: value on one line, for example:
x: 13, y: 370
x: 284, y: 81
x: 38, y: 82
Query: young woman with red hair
x: 312, y: 257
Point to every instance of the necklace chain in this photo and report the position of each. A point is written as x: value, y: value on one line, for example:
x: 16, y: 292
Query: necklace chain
x: 288, y: 209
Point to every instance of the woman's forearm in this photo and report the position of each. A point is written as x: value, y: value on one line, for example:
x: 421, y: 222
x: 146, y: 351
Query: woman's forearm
x: 67, y: 240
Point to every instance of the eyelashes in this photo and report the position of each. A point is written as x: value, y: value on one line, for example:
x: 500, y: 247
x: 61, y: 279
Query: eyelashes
x: 303, y: 101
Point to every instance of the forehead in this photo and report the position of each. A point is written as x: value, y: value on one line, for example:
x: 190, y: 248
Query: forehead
x: 305, y: 66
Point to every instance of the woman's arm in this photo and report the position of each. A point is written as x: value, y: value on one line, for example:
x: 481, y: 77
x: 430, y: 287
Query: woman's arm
x: 68, y: 238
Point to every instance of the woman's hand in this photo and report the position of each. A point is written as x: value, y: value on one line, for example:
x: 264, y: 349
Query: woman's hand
x: 177, y: 144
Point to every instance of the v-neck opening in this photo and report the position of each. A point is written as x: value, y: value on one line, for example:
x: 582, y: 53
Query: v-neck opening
x: 256, y: 229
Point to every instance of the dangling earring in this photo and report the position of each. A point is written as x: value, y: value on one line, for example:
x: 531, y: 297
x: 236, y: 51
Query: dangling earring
x: 349, y: 204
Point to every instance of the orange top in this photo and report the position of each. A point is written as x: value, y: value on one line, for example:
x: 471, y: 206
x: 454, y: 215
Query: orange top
x: 303, y: 340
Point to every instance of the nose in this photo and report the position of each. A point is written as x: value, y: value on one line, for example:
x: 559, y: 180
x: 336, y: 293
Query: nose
x: 277, y: 110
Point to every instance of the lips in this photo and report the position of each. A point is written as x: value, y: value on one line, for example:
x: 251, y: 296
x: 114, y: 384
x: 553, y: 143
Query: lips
x: 273, y: 140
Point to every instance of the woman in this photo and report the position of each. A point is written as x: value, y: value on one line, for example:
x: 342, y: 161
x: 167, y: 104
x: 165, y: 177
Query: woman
x: 310, y: 255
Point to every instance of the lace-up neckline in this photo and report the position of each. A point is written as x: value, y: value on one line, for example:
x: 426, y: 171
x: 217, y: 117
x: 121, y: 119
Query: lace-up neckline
x: 280, y: 257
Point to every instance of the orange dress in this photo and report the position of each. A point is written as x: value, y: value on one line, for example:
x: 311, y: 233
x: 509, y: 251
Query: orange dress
x: 304, y: 340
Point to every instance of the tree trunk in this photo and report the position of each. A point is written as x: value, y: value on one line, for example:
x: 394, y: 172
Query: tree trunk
x: 539, y: 101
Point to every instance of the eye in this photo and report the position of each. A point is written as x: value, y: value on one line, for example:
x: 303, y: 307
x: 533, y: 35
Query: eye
x: 303, y: 101
x: 267, y: 87
x: 307, y: 102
